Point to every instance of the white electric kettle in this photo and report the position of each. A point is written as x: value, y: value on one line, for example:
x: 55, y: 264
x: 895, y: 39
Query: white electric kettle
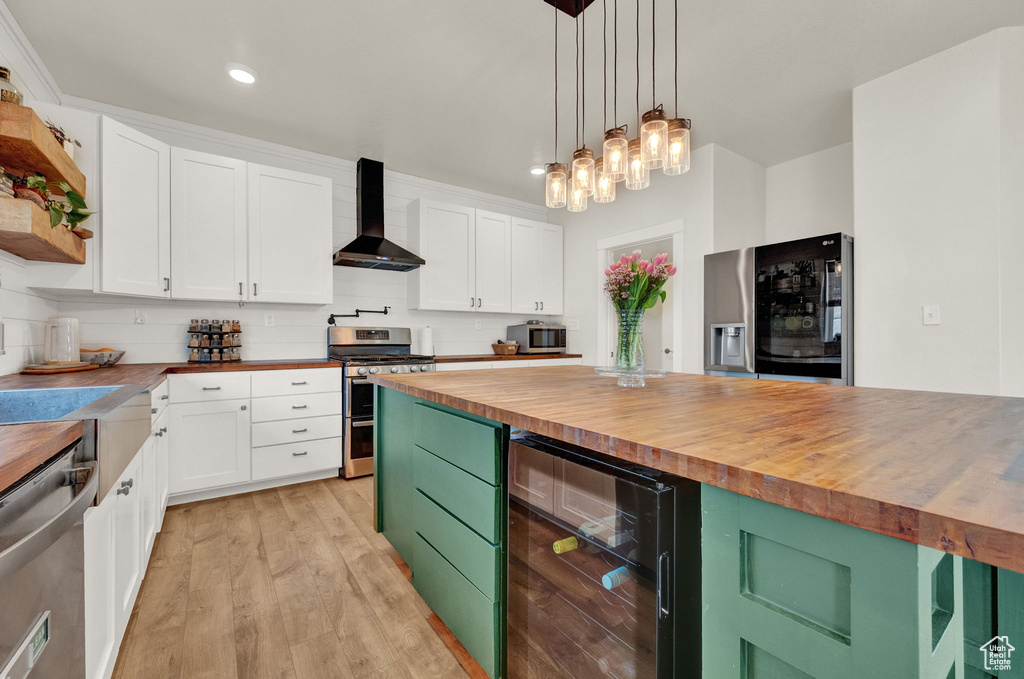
x: 62, y: 345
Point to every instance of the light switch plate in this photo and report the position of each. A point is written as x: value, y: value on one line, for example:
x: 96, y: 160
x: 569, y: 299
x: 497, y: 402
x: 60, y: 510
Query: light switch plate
x: 930, y: 314
x: 476, y: 323
x: 572, y: 325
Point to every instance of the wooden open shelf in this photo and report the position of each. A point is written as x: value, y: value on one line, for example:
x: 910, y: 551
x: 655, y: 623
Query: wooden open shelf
x: 25, y: 231
x: 27, y: 145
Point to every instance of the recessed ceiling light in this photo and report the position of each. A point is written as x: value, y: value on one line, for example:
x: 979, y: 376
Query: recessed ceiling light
x: 537, y: 169
x: 242, y: 74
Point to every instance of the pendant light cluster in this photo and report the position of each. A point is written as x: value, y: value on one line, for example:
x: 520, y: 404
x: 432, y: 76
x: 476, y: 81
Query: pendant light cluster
x: 661, y: 144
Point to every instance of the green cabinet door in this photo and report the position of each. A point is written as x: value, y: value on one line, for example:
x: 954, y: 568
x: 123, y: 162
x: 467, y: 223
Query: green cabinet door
x: 993, y: 608
x: 788, y: 595
x: 393, y: 469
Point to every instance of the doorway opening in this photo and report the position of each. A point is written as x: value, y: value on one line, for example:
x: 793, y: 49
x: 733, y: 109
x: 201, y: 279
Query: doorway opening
x: 663, y: 323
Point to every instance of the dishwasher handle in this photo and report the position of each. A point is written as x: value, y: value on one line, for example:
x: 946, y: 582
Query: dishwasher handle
x: 22, y: 552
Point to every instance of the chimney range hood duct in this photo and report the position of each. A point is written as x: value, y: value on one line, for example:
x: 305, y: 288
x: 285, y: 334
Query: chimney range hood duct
x: 370, y: 249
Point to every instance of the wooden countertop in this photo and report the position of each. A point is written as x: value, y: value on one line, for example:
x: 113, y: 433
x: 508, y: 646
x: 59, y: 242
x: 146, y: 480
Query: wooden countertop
x: 471, y: 358
x: 941, y: 470
x: 151, y: 373
x: 23, y: 447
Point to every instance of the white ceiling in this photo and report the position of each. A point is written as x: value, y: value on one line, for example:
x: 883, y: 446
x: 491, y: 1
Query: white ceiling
x: 460, y: 90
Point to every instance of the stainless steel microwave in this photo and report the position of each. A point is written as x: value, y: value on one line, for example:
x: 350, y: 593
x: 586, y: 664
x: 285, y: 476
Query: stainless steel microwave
x: 537, y: 338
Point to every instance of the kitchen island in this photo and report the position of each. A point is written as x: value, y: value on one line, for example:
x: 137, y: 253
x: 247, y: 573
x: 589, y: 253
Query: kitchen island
x: 920, y: 477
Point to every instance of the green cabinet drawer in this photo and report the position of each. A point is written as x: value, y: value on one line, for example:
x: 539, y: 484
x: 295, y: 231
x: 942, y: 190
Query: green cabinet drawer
x: 473, y: 501
x: 470, y: 554
x: 471, y: 444
x: 472, y: 617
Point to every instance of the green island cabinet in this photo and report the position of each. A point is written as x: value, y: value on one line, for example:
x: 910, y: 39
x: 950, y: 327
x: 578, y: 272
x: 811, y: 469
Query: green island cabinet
x: 439, y: 477
x: 785, y: 595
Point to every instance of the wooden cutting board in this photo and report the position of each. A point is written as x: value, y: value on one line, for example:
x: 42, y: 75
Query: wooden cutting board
x: 56, y: 370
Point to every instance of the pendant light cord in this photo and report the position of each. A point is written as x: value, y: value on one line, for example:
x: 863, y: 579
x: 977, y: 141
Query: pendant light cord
x: 654, y: 53
x: 577, y: 81
x: 583, y: 126
x: 615, y: 69
x: 637, y: 64
x: 675, y: 33
x: 604, y: 60
x: 555, y: 61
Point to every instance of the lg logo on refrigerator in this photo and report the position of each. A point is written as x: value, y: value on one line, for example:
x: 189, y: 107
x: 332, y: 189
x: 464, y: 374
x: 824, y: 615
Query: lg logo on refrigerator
x: 828, y: 242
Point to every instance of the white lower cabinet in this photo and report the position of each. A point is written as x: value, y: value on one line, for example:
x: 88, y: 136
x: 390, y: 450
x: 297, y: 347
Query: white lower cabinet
x: 289, y: 423
x: 128, y: 555
x: 119, y: 535
x: 101, y: 632
x: 210, y: 445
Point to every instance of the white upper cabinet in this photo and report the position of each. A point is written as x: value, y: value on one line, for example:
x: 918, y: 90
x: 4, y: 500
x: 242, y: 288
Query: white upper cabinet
x: 445, y: 236
x: 550, y: 256
x: 493, y: 262
x: 135, y: 248
x: 536, y: 267
x: 208, y: 227
x: 289, y: 236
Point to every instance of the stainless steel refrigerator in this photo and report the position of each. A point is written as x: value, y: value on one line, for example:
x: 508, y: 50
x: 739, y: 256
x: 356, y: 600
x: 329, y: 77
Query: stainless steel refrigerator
x: 782, y: 311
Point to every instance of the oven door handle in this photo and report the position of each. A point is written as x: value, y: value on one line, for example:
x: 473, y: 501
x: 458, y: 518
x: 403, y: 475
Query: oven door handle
x: 22, y: 552
x: 362, y: 423
x: 359, y: 379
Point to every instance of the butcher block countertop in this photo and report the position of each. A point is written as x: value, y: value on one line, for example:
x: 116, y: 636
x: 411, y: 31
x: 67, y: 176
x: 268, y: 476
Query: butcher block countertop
x: 23, y: 447
x: 941, y: 470
x: 470, y: 358
x: 151, y: 373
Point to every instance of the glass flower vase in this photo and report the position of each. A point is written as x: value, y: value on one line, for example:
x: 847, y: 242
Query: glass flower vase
x: 629, y: 355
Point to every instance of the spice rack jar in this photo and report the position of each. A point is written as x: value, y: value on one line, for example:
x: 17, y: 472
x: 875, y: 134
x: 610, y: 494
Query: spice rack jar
x: 214, y: 341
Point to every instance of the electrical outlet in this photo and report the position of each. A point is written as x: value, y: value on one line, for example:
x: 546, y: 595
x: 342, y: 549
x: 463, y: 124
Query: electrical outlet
x: 476, y: 323
x: 140, y: 317
x: 572, y: 325
x: 930, y: 314
x: 268, y: 320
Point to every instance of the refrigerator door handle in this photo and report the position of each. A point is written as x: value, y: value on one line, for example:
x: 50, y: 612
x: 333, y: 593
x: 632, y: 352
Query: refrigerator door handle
x: 664, y: 586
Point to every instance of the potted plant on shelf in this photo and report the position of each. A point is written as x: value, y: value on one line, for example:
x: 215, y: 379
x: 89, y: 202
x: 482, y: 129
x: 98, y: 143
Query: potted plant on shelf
x: 71, y: 211
x: 633, y: 286
x: 64, y: 139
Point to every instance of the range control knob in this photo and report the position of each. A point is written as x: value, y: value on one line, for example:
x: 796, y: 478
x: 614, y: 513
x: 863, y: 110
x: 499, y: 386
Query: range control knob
x: 394, y: 368
x: 373, y: 371
x: 414, y: 369
x: 425, y: 368
x: 361, y: 371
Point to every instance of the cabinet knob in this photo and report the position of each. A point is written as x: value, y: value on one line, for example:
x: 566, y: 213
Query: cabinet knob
x: 123, y: 491
x: 163, y: 430
x: 152, y: 411
x: 244, y: 407
x: 128, y: 484
x: 164, y: 397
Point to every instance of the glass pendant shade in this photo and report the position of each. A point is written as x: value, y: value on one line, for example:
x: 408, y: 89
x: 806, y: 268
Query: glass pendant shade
x: 555, y: 185
x: 583, y: 171
x: 577, y: 198
x: 653, y: 133
x: 615, y: 153
x: 604, y: 188
x: 637, y: 175
x: 678, y: 160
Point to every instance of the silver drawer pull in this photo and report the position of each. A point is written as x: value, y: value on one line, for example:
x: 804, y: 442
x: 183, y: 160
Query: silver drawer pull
x: 164, y: 397
x: 299, y: 407
x: 128, y: 484
x: 211, y: 388
x: 152, y: 411
x: 299, y: 384
x: 124, y: 491
x: 300, y: 431
x: 305, y: 452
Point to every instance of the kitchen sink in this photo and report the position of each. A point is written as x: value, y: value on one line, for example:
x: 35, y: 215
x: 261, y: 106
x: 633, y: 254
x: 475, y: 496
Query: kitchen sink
x: 43, y: 405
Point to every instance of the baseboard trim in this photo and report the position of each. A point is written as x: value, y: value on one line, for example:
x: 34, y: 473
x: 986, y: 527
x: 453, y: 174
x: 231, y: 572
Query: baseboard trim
x: 224, y: 491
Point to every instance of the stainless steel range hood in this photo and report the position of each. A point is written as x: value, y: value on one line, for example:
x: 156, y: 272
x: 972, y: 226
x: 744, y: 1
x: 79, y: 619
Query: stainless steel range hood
x: 370, y: 249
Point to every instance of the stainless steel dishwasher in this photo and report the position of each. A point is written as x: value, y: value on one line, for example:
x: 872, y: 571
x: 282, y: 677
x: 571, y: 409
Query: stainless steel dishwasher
x: 42, y: 585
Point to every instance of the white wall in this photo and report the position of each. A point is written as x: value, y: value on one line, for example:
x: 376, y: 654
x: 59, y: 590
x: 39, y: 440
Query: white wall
x: 700, y: 199
x: 22, y: 311
x: 938, y: 177
x: 299, y: 331
x: 810, y: 195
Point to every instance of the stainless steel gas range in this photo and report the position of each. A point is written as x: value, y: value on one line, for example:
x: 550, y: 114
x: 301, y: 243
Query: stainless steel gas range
x: 364, y: 352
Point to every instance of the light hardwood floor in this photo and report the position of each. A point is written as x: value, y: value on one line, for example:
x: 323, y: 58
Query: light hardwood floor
x: 287, y: 583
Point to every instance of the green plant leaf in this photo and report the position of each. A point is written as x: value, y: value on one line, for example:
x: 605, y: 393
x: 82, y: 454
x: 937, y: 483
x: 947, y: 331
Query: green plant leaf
x: 75, y: 199
x: 56, y: 216
x: 64, y: 186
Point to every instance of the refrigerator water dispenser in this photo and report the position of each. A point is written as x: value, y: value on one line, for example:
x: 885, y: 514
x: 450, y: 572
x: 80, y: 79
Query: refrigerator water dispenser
x: 728, y: 343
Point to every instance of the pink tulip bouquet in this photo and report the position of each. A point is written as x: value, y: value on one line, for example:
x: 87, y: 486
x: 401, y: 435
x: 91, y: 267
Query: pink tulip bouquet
x: 635, y: 284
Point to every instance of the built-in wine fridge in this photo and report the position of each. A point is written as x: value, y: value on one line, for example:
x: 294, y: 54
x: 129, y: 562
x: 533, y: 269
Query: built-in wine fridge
x: 603, y: 566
